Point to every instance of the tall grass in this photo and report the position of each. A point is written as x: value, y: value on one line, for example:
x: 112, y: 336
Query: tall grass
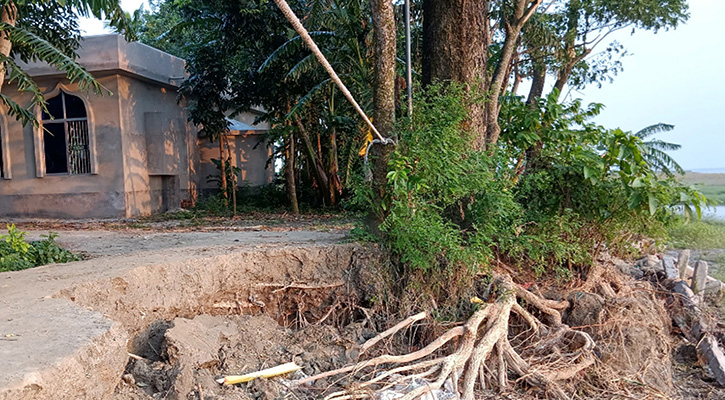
x: 711, y: 185
x: 708, y: 233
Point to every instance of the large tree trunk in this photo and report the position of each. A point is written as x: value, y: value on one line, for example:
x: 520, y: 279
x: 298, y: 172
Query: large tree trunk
x: 9, y: 16
x: 455, y: 46
x: 384, y: 85
x: 383, y: 89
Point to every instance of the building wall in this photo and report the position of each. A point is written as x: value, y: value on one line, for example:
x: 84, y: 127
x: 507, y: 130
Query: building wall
x: 158, y: 147
x: 146, y: 156
x: 250, y: 153
x: 30, y: 194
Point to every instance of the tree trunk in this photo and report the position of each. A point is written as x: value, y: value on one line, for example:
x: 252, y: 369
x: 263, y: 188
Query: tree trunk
x: 537, y: 84
x: 566, y: 70
x: 383, y: 90
x: 223, y: 165
x: 569, y: 57
x: 8, y: 16
x: 314, y: 159
x: 522, y: 12
x: 334, y: 179
x: 384, y: 85
x: 533, y: 153
x: 455, y: 46
x: 233, y: 176
x: 562, y: 77
x: 290, y: 175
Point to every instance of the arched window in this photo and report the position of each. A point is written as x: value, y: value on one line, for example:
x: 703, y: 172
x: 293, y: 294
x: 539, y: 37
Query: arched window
x: 65, y: 136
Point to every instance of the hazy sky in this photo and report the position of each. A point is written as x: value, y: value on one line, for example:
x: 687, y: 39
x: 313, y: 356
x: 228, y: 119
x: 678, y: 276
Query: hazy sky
x: 676, y: 77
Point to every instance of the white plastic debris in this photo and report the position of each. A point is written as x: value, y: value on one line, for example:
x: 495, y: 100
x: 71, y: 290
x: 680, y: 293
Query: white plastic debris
x: 398, y: 391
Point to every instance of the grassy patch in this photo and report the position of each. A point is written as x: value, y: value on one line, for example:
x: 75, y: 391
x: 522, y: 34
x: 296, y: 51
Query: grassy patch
x: 711, y: 185
x: 704, y: 234
x: 16, y: 253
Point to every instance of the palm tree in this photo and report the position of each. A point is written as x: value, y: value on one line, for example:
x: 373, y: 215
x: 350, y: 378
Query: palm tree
x: 54, y: 44
x: 655, y: 150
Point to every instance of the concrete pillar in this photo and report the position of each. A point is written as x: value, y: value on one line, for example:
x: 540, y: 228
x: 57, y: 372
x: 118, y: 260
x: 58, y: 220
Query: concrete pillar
x: 668, y: 266
x: 699, y: 279
x: 682, y: 260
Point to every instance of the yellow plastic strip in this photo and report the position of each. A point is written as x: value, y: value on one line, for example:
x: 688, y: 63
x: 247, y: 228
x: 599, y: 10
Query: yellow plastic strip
x: 265, y: 373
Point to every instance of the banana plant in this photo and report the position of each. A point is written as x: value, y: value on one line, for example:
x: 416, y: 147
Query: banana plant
x: 655, y: 150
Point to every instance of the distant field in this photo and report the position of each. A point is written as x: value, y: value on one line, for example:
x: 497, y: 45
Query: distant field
x: 711, y: 185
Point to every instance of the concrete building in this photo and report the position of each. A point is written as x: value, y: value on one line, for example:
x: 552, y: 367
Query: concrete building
x: 126, y: 154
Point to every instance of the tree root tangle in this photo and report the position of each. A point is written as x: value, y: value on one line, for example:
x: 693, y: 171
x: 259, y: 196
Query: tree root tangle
x: 482, y: 354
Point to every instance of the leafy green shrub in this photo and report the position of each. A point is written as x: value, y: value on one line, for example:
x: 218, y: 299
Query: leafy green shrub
x: 16, y: 253
x: 445, y: 206
x: 267, y: 197
x: 231, y: 173
x: 558, y: 190
x: 212, y: 206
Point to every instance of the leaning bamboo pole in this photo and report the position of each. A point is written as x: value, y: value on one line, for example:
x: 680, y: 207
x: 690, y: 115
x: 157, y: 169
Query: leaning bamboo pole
x: 297, y: 25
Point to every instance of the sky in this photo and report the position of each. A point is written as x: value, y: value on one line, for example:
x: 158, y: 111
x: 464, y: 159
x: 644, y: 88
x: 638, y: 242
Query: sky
x: 675, y: 77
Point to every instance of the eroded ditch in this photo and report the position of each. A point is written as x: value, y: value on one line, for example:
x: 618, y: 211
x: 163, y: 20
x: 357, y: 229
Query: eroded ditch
x: 317, y: 325
x: 177, y: 325
x: 174, y: 324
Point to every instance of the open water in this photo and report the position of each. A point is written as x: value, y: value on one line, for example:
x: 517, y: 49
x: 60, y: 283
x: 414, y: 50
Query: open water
x: 717, y: 212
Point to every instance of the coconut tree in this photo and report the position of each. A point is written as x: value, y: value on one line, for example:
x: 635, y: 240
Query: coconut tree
x: 655, y: 150
x: 46, y: 31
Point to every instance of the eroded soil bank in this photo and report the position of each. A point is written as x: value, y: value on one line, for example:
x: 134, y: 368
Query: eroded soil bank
x: 324, y: 328
x: 68, y: 328
x: 161, y: 315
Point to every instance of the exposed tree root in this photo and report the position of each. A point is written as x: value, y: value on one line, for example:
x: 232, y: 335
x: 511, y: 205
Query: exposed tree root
x: 545, y: 354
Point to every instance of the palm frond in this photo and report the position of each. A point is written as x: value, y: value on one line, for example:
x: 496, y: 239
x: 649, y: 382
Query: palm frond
x: 663, y: 162
x: 304, y: 99
x: 96, y: 8
x: 203, y: 24
x: 24, y: 82
x: 305, y: 65
x: 50, y: 54
x: 289, y: 47
x: 21, y: 114
x: 662, y: 145
x: 653, y: 129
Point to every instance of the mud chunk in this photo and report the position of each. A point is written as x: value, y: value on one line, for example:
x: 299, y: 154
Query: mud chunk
x: 195, y: 342
x: 584, y: 310
x: 152, y: 377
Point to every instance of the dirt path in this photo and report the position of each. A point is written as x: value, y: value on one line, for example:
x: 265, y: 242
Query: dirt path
x: 125, y: 243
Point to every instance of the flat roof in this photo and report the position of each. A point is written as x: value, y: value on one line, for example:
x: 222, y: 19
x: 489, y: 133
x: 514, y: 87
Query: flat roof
x: 112, y: 53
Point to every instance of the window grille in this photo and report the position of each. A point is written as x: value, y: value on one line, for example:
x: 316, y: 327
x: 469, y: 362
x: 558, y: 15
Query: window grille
x: 65, y: 136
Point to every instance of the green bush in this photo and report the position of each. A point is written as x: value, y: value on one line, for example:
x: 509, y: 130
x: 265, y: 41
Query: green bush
x: 16, y: 253
x: 450, y: 210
